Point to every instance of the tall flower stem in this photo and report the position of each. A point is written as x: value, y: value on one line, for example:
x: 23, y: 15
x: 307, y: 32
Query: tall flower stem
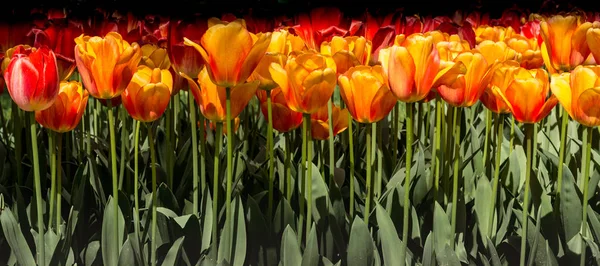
x: 436, y: 147
x: 406, y: 210
x: 154, y: 199
x: 450, y: 131
x: 488, y: 130
x: 270, y: 150
x: 331, y: 139
x: 585, y: 164
x: 300, y: 182
x: 457, y: 162
x: 18, y: 141
x: 512, y: 134
x: 192, y: 108
x: 136, y: 211
x: 379, y: 182
x: 368, y: 177
x: 115, y: 177
x: 351, y: 147
x: 499, y: 126
x: 202, y: 138
x: 395, y: 126
x: 124, y: 134
x: 215, y: 202
x: 309, y: 147
x: 52, y: 158
x: 41, y: 250
x: 288, y: 174
x: 169, y: 135
x: 561, y: 153
x: 525, y: 220
x: 58, y: 182
x: 229, y: 157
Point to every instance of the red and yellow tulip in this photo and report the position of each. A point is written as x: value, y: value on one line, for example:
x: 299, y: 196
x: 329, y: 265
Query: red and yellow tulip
x: 579, y: 93
x: 66, y: 112
x: 147, y: 95
x: 284, y: 119
x: 319, y: 122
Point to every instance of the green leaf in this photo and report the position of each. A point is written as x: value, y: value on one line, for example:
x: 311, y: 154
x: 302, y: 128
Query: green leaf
x: 290, y: 251
x: 483, y: 207
x: 284, y: 217
x: 14, y: 237
x: 428, y: 252
x: 109, y: 257
x: 127, y: 256
x: 207, y: 219
x: 570, y: 204
x: 493, y: 253
x: 447, y: 257
x: 91, y: 253
x: 172, y: 257
x: 360, y: 245
x: 311, y: 252
x: 51, y: 240
x: 442, y: 232
x: 320, y: 196
x: 389, y: 237
x: 232, y: 247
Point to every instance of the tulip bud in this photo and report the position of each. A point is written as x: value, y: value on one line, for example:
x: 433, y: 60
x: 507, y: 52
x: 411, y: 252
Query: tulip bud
x: 66, y: 112
x: 284, y: 119
x: 319, y: 122
x: 578, y: 93
x: 147, y: 95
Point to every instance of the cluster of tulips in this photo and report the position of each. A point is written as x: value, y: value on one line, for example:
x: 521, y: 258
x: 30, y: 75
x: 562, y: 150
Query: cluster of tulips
x: 521, y: 64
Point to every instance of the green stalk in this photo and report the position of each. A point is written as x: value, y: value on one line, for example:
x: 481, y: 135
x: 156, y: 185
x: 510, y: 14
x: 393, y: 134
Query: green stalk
x: 561, y: 153
x: 18, y: 141
x: 331, y: 139
x: 3, y: 125
x: 427, y: 114
x: 124, y: 134
x: 41, y: 250
x: 52, y: 158
x: 524, y: 220
x: 58, y: 182
x: 229, y: 157
x: 154, y: 199
x: 409, y: 141
x: 192, y: 108
x: 270, y: 150
x: 288, y: 174
x: 488, y: 129
x: 169, y: 136
x: 512, y: 134
x: 351, y: 147
x: 436, y: 147
x: 419, y: 116
x: 115, y: 177
x: 88, y: 136
x: 455, y: 177
x: 218, y: 143
x: 136, y: 211
x: 202, y: 153
x: 379, y: 182
x: 585, y: 164
x: 305, y: 124
x: 395, y: 127
x: 499, y: 138
x: 447, y: 156
x: 368, y: 178
x: 308, y: 177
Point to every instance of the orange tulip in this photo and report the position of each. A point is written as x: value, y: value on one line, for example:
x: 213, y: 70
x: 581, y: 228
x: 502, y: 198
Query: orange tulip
x: 497, y: 51
x: 66, y: 112
x: 307, y: 81
x: 262, y: 74
x: 527, y: 94
x: 147, y: 95
x: 106, y: 65
x: 230, y: 52
x: 347, y: 52
x: 565, y: 42
x: 211, y: 97
x: 531, y: 56
x: 155, y: 57
x: 284, y: 119
x: 319, y: 122
x: 593, y: 40
x: 366, y: 93
x: 236, y: 125
x: 579, y: 93
x: 32, y: 78
x: 492, y: 33
x: 501, y: 78
x: 468, y: 87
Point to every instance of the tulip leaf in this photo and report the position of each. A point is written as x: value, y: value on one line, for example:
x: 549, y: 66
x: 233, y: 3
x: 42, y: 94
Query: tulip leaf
x: 570, y: 203
x: 14, y: 236
x: 109, y: 257
x: 389, y: 237
x: 127, y: 256
x: 172, y: 257
x: 232, y: 247
x: 442, y: 232
x: 483, y: 207
x: 311, y: 252
x: 360, y: 245
x: 290, y: 251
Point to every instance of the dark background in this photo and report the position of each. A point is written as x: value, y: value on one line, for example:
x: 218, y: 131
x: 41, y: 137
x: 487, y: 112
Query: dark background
x: 12, y: 8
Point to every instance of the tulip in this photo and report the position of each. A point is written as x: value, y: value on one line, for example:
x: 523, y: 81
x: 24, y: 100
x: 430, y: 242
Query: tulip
x: 577, y: 92
x: 66, y: 112
x: 531, y: 56
x: 236, y: 125
x: 347, y: 52
x: 284, y: 118
x: 320, y: 25
x: 564, y: 42
x: 184, y: 58
x: 230, y: 52
x: 492, y: 33
x: 106, y: 65
x: 32, y: 78
x: 59, y: 39
x: 366, y: 93
x: 501, y: 78
x: 307, y: 81
x: 319, y: 122
x: 261, y: 72
x: 155, y: 57
x: 147, y: 95
x: 497, y: 51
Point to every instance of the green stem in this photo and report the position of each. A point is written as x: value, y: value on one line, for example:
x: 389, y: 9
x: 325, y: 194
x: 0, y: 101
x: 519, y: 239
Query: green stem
x: 18, y: 141
x: 192, y: 108
x: 115, y: 177
x: 331, y: 139
x: 58, y: 182
x: 124, y: 134
x: 512, y: 134
x: 561, y: 153
x: 3, y: 125
x: 136, y: 211
x: 585, y: 164
x: 88, y: 135
x: 525, y: 220
x: 52, y: 158
x: 368, y: 177
x: 436, y: 147
x: 395, y: 128
x: 305, y: 124
x: 457, y: 161
x: 168, y: 149
x: 499, y: 138
x: 41, y: 250
x: 351, y: 147
x: 427, y: 114
x: 488, y: 129
x: 229, y: 157
x: 202, y: 153
x: 379, y: 181
x: 448, y: 156
x: 154, y: 199
x: 270, y: 150
x: 308, y: 176
x: 406, y: 210
x: 218, y: 143
x: 288, y: 171
x: 419, y: 116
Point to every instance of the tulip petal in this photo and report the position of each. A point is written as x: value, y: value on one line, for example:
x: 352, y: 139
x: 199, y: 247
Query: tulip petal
x: 561, y: 88
x: 254, y: 56
x: 401, y: 72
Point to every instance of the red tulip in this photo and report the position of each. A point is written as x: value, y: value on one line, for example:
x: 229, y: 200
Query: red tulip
x: 60, y: 40
x: 184, y: 58
x: 320, y: 25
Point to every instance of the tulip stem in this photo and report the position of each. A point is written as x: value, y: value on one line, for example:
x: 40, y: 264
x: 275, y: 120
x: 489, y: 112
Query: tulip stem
x: 202, y: 169
x: 525, y: 220
x: 585, y: 164
x: 368, y: 177
x: 457, y: 161
x: 154, y: 199
x: 427, y: 114
x: 379, y: 182
x: 124, y: 134
x: 499, y: 138
x: 406, y: 208
x: 351, y: 147
x: 488, y: 129
x: 436, y: 147
x: 215, y: 208
x: 168, y: 148
x: 331, y: 139
x: 419, y: 117
x: 309, y: 176
x: 136, y: 211
x: 195, y: 182
x: 270, y: 150
x: 3, y: 121
x: 561, y: 153
x: 448, y: 156
x: 512, y: 134
x: 115, y: 180
x: 230, y: 133
x: 52, y: 158
x: 288, y: 174
x: 18, y: 141
x: 41, y: 250
x: 305, y: 123
x: 58, y: 182
x: 394, y: 134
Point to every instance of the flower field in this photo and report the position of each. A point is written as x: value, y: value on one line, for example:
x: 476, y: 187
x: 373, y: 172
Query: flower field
x: 317, y: 138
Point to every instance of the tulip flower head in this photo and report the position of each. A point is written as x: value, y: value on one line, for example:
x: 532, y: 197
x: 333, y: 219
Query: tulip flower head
x: 66, y: 112
x: 579, y: 93
x: 185, y: 58
x: 284, y: 119
x: 147, y: 95
x: 155, y: 57
x: 565, y: 44
x: 501, y: 78
x: 32, y: 78
x: 319, y: 122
